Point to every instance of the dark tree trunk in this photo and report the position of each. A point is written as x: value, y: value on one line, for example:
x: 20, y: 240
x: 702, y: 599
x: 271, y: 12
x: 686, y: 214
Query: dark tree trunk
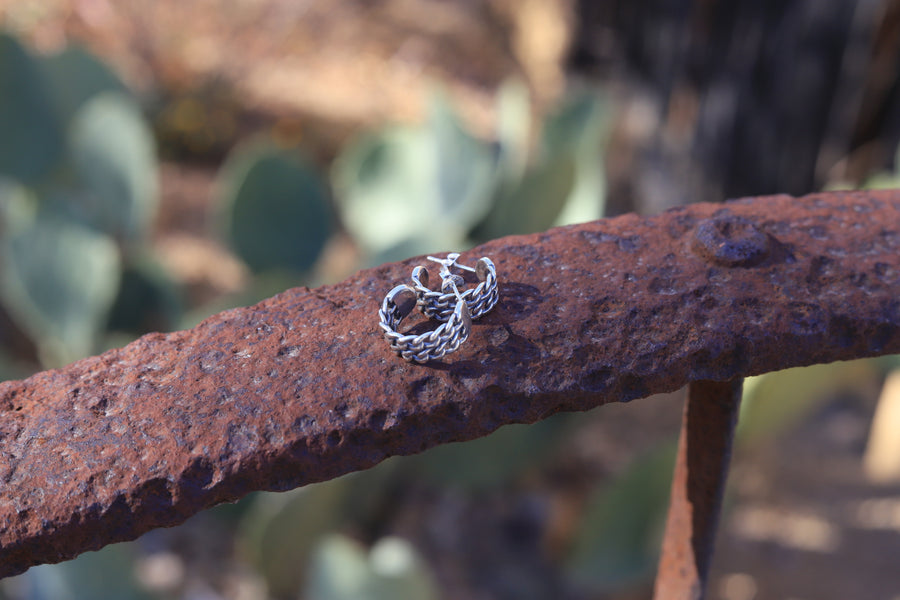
x: 785, y: 94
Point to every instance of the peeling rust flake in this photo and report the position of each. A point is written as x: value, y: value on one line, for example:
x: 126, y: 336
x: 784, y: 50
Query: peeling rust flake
x: 302, y: 388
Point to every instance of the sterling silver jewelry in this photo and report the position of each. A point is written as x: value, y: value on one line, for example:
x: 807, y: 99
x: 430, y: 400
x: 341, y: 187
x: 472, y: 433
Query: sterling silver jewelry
x: 440, y: 305
x: 432, y: 345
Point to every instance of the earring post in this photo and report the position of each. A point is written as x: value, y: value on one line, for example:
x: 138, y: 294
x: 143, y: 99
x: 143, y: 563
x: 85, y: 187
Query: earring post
x: 450, y: 261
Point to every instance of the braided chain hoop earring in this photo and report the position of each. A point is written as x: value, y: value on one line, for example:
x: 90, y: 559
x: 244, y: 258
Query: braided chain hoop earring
x: 440, y: 305
x: 431, y: 345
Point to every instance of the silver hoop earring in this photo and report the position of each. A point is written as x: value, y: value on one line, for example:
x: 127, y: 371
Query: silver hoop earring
x: 440, y: 305
x: 432, y: 345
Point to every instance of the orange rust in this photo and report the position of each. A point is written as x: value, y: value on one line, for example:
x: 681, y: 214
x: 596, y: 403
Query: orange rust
x: 302, y: 388
x: 701, y: 468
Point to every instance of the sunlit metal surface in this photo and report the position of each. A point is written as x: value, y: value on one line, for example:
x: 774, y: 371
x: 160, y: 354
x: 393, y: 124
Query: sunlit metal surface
x: 302, y: 388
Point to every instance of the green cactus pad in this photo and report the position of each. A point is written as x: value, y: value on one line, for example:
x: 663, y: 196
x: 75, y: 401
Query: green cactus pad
x: 31, y: 138
x: 432, y: 182
x: 114, y: 154
x: 73, y: 77
x: 275, y: 212
x: 58, y: 281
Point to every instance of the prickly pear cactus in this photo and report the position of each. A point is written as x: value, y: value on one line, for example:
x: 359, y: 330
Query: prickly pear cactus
x: 32, y: 135
x: 275, y: 212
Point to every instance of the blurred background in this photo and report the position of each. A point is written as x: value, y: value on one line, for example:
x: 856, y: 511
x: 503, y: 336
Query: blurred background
x: 163, y: 161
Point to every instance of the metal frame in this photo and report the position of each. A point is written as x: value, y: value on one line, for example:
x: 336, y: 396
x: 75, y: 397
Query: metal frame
x: 302, y: 388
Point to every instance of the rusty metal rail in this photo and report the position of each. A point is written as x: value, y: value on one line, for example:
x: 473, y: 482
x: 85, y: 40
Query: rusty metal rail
x: 698, y: 484
x: 301, y: 387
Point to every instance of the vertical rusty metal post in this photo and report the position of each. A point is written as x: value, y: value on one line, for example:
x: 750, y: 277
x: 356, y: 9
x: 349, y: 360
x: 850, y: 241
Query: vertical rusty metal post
x: 704, y: 451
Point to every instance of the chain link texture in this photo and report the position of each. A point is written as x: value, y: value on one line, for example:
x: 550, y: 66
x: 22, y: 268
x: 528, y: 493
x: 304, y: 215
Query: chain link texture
x: 426, y: 346
x: 440, y: 305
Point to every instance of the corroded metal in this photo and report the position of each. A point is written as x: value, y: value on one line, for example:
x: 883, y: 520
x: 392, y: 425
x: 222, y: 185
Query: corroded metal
x: 301, y: 387
x: 701, y: 469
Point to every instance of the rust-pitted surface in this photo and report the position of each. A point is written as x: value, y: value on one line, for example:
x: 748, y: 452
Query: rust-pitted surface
x: 698, y: 484
x: 301, y: 387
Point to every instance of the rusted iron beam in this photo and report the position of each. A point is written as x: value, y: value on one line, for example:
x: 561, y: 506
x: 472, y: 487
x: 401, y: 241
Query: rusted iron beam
x: 701, y: 469
x: 301, y: 388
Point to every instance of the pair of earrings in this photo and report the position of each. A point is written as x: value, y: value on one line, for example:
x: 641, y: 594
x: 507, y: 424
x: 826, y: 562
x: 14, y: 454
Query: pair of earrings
x: 453, y: 308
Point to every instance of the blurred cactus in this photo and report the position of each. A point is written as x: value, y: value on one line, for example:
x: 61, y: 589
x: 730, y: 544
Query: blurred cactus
x: 885, y: 180
x: 148, y: 299
x: 32, y: 135
x: 113, y: 153
x: 73, y: 77
x: 436, y: 186
x: 532, y: 203
x: 775, y: 402
x: 275, y: 210
x: 429, y: 183
x: 17, y: 206
x: 58, y: 280
x: 500, y: 458
x: 107, y: 574
x: 280, y: 531
x: 618, y: 540
x: 579, y: 129
x: 514, y: 128
x: 563, y: 181
x: 78, y: 198
x: 391, y: 570
x: 11, y: 368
